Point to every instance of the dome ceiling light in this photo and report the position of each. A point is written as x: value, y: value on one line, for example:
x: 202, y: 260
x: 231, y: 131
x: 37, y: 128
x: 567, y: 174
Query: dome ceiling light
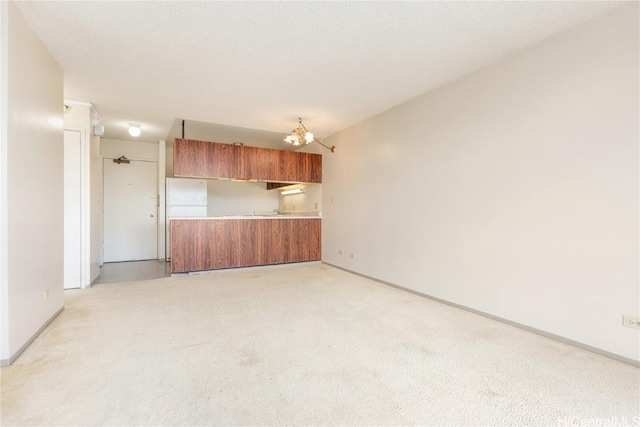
x: 134, y: 129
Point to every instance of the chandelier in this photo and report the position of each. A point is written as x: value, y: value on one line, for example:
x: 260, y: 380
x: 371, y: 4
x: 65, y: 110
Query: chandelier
x: 301, y: 135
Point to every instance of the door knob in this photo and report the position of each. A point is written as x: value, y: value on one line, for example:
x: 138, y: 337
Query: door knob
x: 151, y: 215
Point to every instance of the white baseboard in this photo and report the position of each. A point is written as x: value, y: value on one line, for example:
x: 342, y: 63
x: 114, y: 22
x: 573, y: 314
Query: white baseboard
x: 500, y: 319
x: 10, y: 360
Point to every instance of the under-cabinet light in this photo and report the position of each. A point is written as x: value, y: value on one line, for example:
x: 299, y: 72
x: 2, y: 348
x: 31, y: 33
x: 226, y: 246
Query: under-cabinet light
x: 296, y: 191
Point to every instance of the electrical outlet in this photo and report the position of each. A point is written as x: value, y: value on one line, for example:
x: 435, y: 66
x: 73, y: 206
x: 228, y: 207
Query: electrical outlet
x: 339, y: 251
x: 631, y: 322
x: 294, y: 207
x: 352, y: 256
x: 333, y: 200
x: 46, y: 294
x: 316, y: 206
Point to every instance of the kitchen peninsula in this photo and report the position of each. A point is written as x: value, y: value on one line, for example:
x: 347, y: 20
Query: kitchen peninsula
x: 211, y: 243
x: 199, y: 244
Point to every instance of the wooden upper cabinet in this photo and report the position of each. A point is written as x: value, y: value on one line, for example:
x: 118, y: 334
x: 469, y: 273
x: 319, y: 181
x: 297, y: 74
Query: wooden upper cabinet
x: 315, y: 168
x: 187, y: 158
x: 246, y: 160
x: 292, y: 166
x: 202, y: 159
x: 268, y: 164
x: 221, y: 161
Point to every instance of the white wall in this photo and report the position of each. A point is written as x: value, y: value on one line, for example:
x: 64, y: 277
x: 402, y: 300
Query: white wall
x: 32, y: 182
x: 169, y: 162
x: 5, y: 351
x: 137, y: 150
x: 81, y: 118
x: 512, y: 191
x: 239, y: 197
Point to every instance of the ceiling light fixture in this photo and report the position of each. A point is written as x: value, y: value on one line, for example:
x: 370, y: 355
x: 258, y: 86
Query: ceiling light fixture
x: 301, y: 135
x: 134, y: 129
x: 295, y: 191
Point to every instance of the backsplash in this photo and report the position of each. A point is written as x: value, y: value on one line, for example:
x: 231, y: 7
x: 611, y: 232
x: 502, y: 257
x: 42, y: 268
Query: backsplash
x: 309, y: 201
x: 239, y: 198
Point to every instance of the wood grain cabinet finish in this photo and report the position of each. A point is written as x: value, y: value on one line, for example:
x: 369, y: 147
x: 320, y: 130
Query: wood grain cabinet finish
x: 274, y: 185
x: 191, y: 158
x: 246, y: 161
x: 211, y: 244
x: 202, y: 159
x: 314, y: 167
x: 221, y: 161
x: 268, y: 164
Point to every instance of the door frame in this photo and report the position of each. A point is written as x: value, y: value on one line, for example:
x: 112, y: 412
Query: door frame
x: 85, y: 208
x: 159, y: 199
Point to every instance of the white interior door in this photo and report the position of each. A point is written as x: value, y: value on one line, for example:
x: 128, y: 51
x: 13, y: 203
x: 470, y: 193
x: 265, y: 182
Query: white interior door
x: 130, y: 211
x: 72, y: 210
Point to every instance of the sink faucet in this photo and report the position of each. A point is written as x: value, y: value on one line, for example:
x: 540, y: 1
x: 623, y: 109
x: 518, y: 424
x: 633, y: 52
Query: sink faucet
x: 277, y: 212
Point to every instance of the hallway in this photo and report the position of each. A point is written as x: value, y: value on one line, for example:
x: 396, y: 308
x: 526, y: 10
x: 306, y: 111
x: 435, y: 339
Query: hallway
x: 113, y: 272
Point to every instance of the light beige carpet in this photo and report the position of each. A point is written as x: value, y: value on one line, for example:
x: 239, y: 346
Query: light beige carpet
x: 303, y: 344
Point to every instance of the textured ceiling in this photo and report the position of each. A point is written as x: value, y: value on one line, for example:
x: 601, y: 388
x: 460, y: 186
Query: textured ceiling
x: 260, y: 65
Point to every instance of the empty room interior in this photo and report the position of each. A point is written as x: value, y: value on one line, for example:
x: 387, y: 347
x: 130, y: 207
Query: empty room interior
x: 320, y: 213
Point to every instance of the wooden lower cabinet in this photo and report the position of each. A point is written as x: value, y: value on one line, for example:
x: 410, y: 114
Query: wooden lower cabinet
x: 211, y: 244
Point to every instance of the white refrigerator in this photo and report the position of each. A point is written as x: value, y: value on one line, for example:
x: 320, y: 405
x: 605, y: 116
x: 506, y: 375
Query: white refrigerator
x: 186, y: 197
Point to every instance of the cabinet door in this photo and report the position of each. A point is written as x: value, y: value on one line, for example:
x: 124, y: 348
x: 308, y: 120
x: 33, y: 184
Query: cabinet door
x: 187, y: 158
x: 246, y: 161
x: 314, y: 168
x: 268, y: 164
x: 301, y: 238
x: 314, y: 238
x: 220, y: 160
x: 302, y: 167
x: 180, y: 157
x: 281, y: 163
x: 297, y: 167
x: 202, y: 159
x: 292, y: 166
